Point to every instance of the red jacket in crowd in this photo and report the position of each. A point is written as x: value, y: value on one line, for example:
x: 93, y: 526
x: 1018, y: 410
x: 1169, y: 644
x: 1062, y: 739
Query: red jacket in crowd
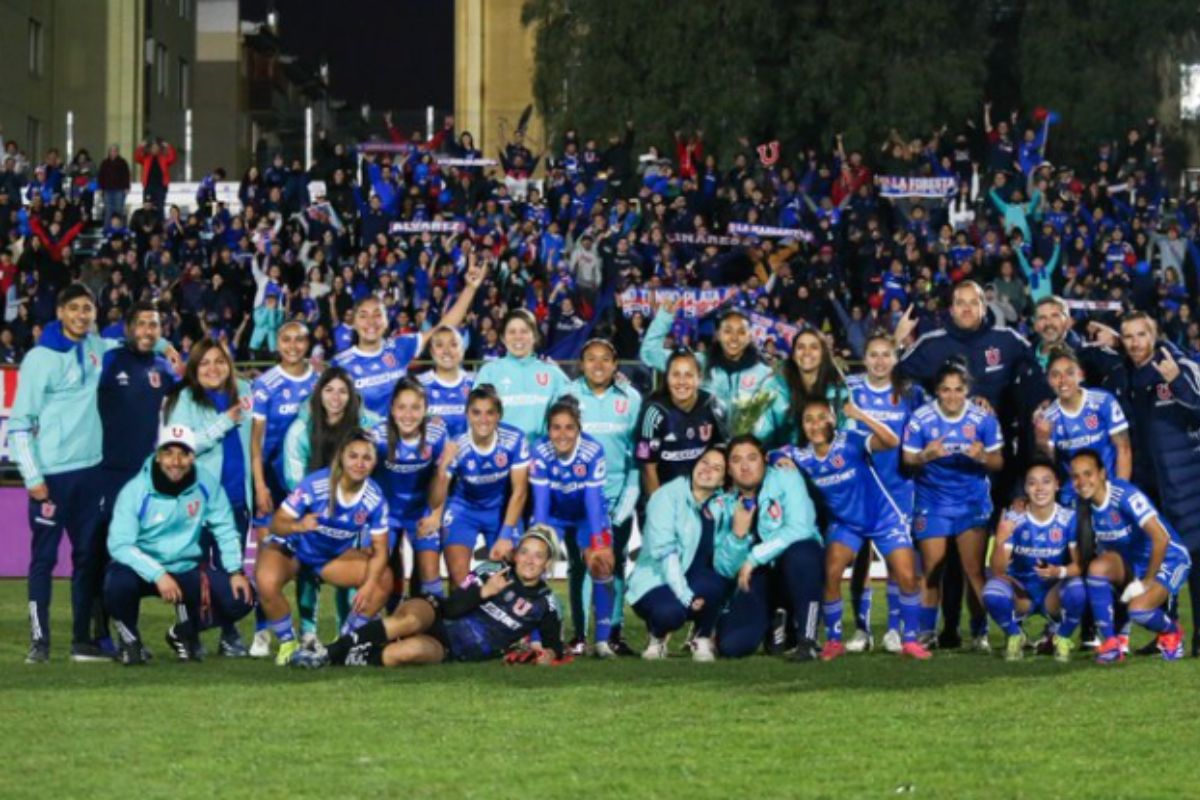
x: 55, y: 247
x: 166, y: 157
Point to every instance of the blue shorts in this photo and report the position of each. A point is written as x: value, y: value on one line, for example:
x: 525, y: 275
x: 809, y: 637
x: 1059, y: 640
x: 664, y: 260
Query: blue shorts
x: 311, y: 559
x: 461, y: 527
x: 1175, y: 567
x: 886, y: 541
x: 1036, y: 590
x: 929, y: 524
x: 419, y: 544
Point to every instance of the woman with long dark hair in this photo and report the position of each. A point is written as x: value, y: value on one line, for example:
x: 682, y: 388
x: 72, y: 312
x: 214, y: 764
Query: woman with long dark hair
x: 809, y: 373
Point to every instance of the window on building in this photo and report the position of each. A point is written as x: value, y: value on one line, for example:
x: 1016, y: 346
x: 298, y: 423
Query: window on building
x: 185, y: 83
x: 36, y: 48
x: 185, y: 9
x: 33, y: 137
x: 160, y: 69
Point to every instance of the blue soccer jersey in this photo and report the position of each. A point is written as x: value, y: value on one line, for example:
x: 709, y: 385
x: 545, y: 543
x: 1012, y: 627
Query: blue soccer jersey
x: 1047, y: 541
x: 448, y: 400
x: 1118, y: 523
x: 569, y: 492
x: 376, y: 374
x: 879, y: 404
x: 955, y: 484
x: 352, y: 522
x: 853, y: 492
x: 481, y: 474
x: 405, y: 473
x: 277, y: 400
x: 1092, y: 427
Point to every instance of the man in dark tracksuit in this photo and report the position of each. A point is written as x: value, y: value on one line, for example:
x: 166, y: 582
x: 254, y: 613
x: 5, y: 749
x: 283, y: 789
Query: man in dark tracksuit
x: 133, y: 382
x: 1159, y: 390
x: 1006, y: 374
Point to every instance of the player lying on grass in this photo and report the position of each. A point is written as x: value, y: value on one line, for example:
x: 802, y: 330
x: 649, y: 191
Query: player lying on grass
x: 1035, y: 566
x: 155, y: 545
x: 838, y: 463
x: 497, y: 605
x: 1137, y: 551
x: 318, y: 530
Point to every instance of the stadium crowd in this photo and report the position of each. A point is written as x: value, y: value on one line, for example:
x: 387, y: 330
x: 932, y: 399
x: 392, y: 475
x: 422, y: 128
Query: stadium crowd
x: 1025, y: 333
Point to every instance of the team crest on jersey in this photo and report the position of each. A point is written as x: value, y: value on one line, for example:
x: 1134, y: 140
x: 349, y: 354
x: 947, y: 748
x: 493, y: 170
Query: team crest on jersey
x: 837, y: 461
x: 992, y: 355
x: 94, y: 359
x: 246, y: 402
x: 1164, y: 392
x: 193, y: 507
x: 747, y: 381
x: 287, y: 394
x: 1091, y: 421
x: 774, y: 510
x: 389, y: 360
x: 466, y: 390
x: 705, y: 432
x: 522, y: 607
x: 48, y: 509
x: 360, y: 517
x: 920, y: 523
x: 427, y: 451
x: 154, y: 378
x: 296, y: 498
x: 1115, y: 516
x: 969, y: 431
x: 543, y: 378
x: 620, y: 405
x: 1056, y: 534
x: 501, y: 460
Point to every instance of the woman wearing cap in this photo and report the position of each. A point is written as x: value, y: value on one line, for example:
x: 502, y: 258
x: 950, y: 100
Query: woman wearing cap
x: 609, y: 407
x: 447, y: 384
x: 772, y: 537
x: 333, y: 526
x: 674, y: 579
x: 155, y: 542
x: 376, y: 361
x: 809, y: 373
x: 732, y: 371
x: 216, y: 404
x: 494, y: 607
x: 525, y: 383
x: 678, y: 423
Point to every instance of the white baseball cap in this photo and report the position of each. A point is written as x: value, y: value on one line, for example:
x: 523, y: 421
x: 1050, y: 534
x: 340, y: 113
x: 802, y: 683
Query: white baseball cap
x: 177, y: 434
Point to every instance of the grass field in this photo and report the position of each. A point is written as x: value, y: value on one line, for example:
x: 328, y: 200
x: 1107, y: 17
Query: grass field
x: 867, y: 726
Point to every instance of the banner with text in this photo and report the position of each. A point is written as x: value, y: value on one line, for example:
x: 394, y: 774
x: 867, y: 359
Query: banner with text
x: 904, y: 186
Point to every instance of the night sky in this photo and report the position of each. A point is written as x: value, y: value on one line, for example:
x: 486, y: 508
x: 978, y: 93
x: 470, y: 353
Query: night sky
x: 393, y: 54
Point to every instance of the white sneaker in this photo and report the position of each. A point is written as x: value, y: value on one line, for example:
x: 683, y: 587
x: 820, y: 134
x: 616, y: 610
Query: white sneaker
x: 980, y: 644
x: 892, y: 642
x: 703, y: 650
x: 261, y: 646
x: 309, y: 641
x: 656, y: 649
x: 603, y: 650
x: 860, y: 642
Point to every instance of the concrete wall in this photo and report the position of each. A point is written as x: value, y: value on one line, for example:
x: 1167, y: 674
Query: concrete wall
x: 222, y: 128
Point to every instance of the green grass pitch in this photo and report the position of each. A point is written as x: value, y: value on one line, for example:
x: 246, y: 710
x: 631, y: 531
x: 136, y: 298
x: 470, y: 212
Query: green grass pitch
x: 960, y: 726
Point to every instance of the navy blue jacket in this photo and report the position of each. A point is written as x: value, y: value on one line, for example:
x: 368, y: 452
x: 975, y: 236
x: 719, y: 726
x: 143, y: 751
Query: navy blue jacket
x: 132, y: 388
x: 1164, y: 422
x: 1096, y: 359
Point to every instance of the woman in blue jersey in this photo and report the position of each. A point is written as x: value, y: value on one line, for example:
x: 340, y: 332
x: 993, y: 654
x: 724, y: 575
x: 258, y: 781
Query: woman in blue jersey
x: 674, y: 579
x: 410, y: 445
x: 567, y: 480
x: 731, y: 371
x: 952, y: 445
x: 216, y: 404
x: 334, y: 526
x: 1137, y: 552
x: 482, y: 484
x: 1081, y: 417
x: 376, y: 362
x: 678, y: 424
x: 839, y: 464
x: 1035, y: 566
x: 883, y: 394
x: 524, y: 383
x: 447, y: 384
x: 810, y: 373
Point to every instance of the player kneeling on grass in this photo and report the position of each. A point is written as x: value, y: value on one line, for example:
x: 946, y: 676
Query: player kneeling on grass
x: 838, y: 463
x: 497, y: 605
x: 317, y: 530
x: 1137, y: 551
x: 154, y: 540
x: 1035, y: 566
x: 673, y: 580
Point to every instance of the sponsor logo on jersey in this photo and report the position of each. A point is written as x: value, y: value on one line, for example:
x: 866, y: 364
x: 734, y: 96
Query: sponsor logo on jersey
x: 1092, y: 422
x: 154, y: 378
x: 691, y: 433
x: 543, y: 378
x: 501, y: 460
x: 193, y: 507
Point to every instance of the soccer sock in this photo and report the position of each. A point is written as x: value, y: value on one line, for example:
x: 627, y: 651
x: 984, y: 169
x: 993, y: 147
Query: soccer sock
x: 354, y: 621
x: 893, y: 606
x: 1154, y: 619
x: 929, y: 615
x: 1073, y: 596
x: 979, y: 626
x: 910, y: 610
x: 308, y: 603
x: 833, y: 620
x: 1000, y: 601
x: 862, y: 609
x: 432, y: 588
x: 602, y: 598
x: 260, y: 618
x: 363, y: 646
x: 283, y: 628
x: 1100, y: 596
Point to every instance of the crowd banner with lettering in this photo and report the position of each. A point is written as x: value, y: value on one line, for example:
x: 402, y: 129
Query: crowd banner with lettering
x: 433, y: 226
x: 447, y: 161
x: 768, y: 231
x: 384, y: 147
x: 692, y: 303
x: 1093, y: 305
x: 904, y: 186
x: 703, y: 239
x: 763, y: 328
